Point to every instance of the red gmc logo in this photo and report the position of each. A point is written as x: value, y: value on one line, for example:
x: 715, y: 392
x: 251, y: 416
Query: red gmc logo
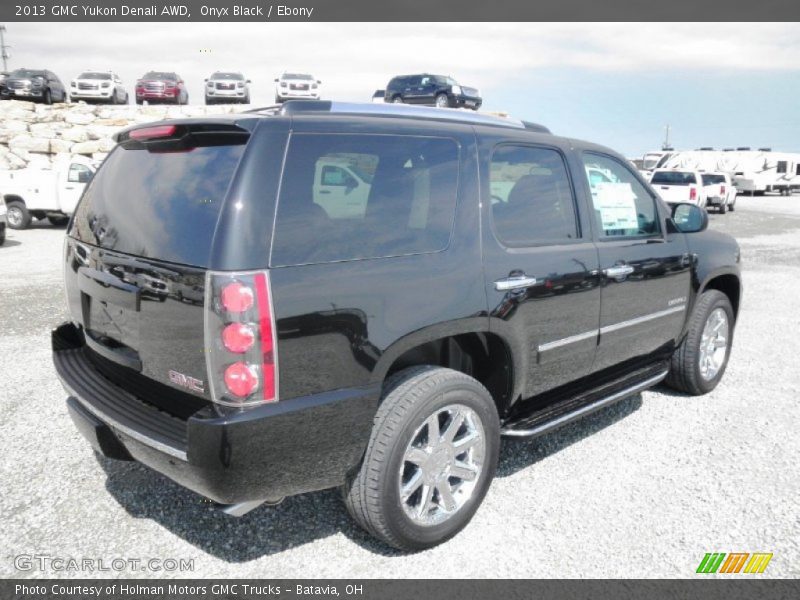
x: 190, y: 383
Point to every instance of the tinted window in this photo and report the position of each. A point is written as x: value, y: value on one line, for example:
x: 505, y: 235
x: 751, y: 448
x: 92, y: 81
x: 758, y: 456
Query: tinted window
x: 622, y: 205
x: 531, y: 196
x: 712, y: 179
x: 347, y: 197
x: 25, y: 73
x: 159, y: 205
x: 673, y: 178
x: 94, y: 75
x: 79, y: 173
x: 782, y: 166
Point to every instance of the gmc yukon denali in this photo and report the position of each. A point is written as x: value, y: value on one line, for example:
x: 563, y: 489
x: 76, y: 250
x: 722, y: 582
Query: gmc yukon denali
x: 241, y: 326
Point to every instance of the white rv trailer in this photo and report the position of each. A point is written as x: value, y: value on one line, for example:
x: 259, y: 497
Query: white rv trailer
x: 753, y: 171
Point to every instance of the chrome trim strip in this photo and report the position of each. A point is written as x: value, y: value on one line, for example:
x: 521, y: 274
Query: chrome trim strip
x: 642, y: 319
x: 564, y: 419
x: 568, y: 340
x: 241, y: 508
x: 139, y: 437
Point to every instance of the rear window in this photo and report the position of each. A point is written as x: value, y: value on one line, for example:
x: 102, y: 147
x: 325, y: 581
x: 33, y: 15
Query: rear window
x: 713, y: 179
x: 673, y: 178
x: 162, y: 205
x: 346, y: 197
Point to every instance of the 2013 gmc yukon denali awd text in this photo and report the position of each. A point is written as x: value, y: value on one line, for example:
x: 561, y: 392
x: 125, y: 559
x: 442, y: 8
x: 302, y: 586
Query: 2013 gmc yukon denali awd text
x: 335, y: 295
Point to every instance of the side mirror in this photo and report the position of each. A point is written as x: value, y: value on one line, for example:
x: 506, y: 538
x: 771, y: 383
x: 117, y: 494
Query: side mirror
x: 205, y: 80
x: 248, y: 81
x: 689, y: 218
x: 276, y: 80
x: 319, y: 82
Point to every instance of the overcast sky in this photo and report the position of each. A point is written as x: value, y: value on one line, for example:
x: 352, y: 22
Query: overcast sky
x: 716, y: 84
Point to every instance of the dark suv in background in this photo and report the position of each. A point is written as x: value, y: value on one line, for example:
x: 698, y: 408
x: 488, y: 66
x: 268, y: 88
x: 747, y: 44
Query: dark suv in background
x: 34, y: 84
x: 432, y: 90
x: 368, y: 298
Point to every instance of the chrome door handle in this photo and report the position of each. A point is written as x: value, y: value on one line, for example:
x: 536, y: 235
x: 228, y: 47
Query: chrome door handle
x: 514, y: 283
x: 618, y: 272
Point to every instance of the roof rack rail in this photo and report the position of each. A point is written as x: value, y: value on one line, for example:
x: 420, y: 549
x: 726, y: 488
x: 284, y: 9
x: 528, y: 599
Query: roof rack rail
x: 398, y: 110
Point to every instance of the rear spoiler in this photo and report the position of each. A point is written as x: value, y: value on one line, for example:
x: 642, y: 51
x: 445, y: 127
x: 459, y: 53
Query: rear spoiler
x: 180, y: 135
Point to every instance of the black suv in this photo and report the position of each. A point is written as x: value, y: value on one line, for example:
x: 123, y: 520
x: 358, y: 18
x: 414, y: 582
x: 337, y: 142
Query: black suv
x: 34, y: 84
x: 432, y: 90
x: 368, y: 298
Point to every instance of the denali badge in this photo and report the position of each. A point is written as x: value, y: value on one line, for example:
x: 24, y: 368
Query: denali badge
x: 196, y: 385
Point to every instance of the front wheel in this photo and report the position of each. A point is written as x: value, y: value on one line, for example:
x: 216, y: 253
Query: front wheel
x: 47, y: 97
x: 699, y: 363
x: 430, y: 459
x: 18, y: 215
x: 442, y: 101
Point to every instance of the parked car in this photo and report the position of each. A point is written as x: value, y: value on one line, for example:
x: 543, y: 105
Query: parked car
x: 229, y: 87
x: 297, y: 86
x: 98, y: 86
x: 35, y: 84
x: 3, y: 221
x: 720, y: 191
x: 45, y: 193
x: 161, y: 86
x: 378, y: 96
x: 676, y: 185
x: 3, y: 88
x: 432, y: 90
x: 385, y: 350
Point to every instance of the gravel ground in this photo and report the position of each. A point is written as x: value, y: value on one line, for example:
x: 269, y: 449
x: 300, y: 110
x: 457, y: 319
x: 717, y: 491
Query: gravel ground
x: 642, y: 489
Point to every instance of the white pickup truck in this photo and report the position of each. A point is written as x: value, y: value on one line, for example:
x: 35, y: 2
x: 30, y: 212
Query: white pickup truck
x: 720, y: 191
x: 676, y: 185
x: 45, y: 193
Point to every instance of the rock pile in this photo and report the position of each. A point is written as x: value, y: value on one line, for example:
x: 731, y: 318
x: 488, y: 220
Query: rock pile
x: 34, y: 135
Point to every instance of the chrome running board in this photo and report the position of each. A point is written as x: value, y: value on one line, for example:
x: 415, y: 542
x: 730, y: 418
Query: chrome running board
x: 582, y: 410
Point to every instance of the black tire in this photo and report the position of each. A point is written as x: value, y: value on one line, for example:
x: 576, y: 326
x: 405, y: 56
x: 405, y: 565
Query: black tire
x: 47, y: 97
x: 397, y: 99
x: 409, y: 398
x: 24, y: 218
x: 732, y: 206
x: 684, y: 371
x: 723, y: 208
x: 2, y: 235
x: 278, y: 99
x: 209, y: 101
x: 138, y: 101
x: 58, y: 221
x: 441, y: 101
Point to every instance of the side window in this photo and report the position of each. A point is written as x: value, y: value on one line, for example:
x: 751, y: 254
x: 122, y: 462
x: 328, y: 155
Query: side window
x: 782, y: 166
x: 532, y: 200
x: 623, y: 207
x: 353, y: 196
x: 79, y: 173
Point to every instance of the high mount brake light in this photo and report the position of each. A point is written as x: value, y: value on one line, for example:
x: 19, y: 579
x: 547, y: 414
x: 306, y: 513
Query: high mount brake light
x: 151, y: 133
x: 241, y: 345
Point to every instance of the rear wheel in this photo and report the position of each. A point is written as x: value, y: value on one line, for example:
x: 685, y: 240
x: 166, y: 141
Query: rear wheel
x: 430, y: 459
x: 699, y: 363
x: 18, y: 216
x: 47, y: 97
x: 2, y: 235
x: 58, y: 221
x: 723, y: 208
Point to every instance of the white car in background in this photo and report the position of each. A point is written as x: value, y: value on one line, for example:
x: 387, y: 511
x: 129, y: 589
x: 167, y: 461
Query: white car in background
x: 227, y: 87
x: 679, y: 185
x: 297, y: 86
x: 720, y: 191
x: 98, y: 86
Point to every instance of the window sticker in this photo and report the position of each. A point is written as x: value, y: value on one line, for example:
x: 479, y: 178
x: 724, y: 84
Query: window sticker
x: 617, y: 205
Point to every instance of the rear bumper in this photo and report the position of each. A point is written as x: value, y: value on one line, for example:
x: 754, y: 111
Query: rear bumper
x: 264, y: 453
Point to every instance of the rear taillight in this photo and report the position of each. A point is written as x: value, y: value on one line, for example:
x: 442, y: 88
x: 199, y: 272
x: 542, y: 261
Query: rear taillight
x: 722, y: 189
x: 152, y: 133
x: 693, y: 193
x: 241, y: 355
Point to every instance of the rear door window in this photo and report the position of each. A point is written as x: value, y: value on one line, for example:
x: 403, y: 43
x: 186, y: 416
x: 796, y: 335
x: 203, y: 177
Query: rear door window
x: 673, y: 178
x: 346, y: 197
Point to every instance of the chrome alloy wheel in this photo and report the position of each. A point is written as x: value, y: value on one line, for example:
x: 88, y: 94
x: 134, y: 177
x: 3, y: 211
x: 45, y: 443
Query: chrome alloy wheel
x: 441, y: 101
x: 14, y: 216
x: 714, y: 344
x: 442, y: 465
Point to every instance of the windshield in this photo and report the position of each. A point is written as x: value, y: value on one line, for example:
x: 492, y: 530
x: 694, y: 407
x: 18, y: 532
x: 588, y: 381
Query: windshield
x: 94, y: 75
x: 650, y: 161
x: 297, y: 76
x: 159, y: 75
x: 231, y: 76
x: 673, y: 178
x: 22, y: 73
